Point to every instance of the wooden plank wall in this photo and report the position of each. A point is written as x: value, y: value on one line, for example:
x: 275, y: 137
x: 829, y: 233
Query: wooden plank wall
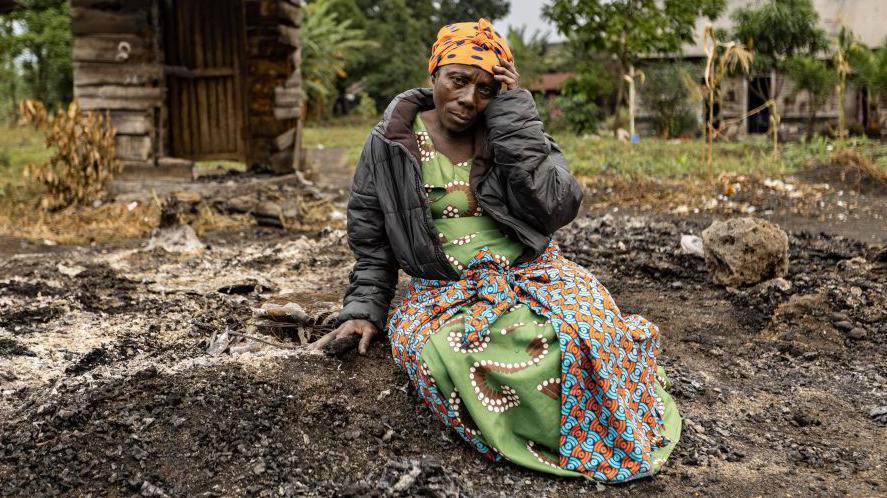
x: 117, y: 68
x: 204, y: 53
x: 273, y: 83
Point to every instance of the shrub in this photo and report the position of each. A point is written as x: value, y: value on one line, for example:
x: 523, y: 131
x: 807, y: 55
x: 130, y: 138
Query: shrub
x: 579, y: 109
x: 366, y: 108
x: 666, y: 95
x: 84, y: 158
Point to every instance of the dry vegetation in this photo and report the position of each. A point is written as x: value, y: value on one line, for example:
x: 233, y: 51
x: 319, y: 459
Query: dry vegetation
x: 84, y: 154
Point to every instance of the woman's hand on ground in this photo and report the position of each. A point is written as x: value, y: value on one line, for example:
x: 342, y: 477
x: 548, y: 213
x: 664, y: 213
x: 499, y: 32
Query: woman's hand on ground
x: 364, y: 329
x: 506, y: 73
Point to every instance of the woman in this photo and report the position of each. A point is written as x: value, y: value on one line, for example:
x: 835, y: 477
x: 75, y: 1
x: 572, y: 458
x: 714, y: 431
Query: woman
x: 460, y: 187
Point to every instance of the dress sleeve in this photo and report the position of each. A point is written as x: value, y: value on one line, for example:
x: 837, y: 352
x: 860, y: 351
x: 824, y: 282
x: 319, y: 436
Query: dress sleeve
x: 373, y: 278
x: 541, y: 190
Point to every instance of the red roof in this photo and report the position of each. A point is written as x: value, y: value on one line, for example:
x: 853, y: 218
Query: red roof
x: 550, y: 82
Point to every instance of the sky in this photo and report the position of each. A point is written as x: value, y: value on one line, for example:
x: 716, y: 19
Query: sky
x: 529, y: 13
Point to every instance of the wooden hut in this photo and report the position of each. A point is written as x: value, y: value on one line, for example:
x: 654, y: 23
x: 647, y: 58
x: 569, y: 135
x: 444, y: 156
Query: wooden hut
x: 192, y: 80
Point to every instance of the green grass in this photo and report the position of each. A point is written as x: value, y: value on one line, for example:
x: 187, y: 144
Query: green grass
x: 19, y: 146
x: 649, y: 159
x: 348, y: 135
x: 653, y: 158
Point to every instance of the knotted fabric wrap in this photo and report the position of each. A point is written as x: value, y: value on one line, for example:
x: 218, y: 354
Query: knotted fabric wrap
x: 470, y: 43
x: 609, y: 423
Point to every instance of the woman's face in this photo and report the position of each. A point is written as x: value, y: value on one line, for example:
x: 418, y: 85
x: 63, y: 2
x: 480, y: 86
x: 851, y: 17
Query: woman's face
x: 461, y: 94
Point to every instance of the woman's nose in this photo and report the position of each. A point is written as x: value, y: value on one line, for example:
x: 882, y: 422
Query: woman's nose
x: 466, y: 97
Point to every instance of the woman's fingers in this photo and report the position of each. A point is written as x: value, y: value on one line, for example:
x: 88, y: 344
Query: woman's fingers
x: 352, y: 333
x: 365, y: 339
x: 323, y: 341
x: 507, y: 74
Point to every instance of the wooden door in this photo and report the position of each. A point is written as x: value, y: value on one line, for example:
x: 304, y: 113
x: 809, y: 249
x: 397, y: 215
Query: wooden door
x: 204, y: 58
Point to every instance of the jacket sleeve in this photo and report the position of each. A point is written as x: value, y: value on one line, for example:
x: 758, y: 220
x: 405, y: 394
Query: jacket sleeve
x: 541, y: 190
x: 373, y: 278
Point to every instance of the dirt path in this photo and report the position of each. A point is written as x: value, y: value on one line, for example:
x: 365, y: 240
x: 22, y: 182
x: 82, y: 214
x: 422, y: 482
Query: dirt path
x: 106, y: 387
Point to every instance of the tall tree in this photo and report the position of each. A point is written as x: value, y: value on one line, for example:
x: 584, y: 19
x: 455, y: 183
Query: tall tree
x: 9, y: 74
x: 629, y: 29
x: 42, y: 38
x: 450, y: 11
x: 777, y: 31
x: 844, y: 43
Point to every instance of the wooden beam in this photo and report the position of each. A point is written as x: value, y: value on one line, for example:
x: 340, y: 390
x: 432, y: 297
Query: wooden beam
x: 286, y: 97
x: 113, y: 4
x: 290, y: 12
x: 119, y: 48
x: 286, y: 112
x: 101, y: 104
x: 288, y: 35
x: 120, y: 92
x: 96, y: 73
x: 286, y: 139
x: 88, y: 21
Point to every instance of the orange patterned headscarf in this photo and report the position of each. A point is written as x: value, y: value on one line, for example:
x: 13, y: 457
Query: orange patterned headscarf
x: 469, y: 43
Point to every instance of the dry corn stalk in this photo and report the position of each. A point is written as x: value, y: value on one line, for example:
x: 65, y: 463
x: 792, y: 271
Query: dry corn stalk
x: 84, y: 159
x: 721, y: 60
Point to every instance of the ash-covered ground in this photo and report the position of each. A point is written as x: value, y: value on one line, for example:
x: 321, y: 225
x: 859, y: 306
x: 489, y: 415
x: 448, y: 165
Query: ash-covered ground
x: 107, y: 386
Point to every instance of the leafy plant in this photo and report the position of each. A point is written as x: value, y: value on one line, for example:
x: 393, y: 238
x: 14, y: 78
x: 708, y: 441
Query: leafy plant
x: 844, y: 44
x: 578, y: 103
x: 36, y: 45
x: 672, y: 103
x: 326, y: 45
x: 84, y: 159
x: 812, y: 76
x: 870, y: 67
x: 366, y: 108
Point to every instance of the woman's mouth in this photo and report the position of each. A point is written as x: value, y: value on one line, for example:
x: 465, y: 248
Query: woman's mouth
x: 461, y: 118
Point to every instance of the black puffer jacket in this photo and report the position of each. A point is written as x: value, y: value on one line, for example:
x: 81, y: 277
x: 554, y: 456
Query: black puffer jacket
x: 519, y: 176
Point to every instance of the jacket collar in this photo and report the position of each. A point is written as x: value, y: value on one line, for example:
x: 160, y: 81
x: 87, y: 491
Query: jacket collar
x: 397, y: 126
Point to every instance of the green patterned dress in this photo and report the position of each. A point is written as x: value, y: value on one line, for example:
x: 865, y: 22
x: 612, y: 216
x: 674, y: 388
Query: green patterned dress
x: 526, y: 432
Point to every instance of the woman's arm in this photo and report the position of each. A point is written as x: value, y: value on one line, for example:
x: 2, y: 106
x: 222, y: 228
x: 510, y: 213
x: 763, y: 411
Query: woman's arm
x: 541, y: 190
x: 374, y: 277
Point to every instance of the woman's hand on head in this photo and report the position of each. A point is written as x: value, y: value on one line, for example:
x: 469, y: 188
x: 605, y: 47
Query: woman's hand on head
x: 364, y: 330
x: 506, y: 73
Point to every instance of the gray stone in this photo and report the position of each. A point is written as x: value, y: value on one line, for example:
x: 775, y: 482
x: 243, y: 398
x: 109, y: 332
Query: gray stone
x: 175, y: 239
x: 744, y: 251
x: 843, y: 326
x: 857, y: 333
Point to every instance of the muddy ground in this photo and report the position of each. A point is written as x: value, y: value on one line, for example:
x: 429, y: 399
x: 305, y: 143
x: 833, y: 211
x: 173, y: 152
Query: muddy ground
x: 107, y: 388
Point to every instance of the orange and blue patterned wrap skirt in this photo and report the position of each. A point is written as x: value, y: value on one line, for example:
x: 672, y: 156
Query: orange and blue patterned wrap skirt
x: 612, y: 417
